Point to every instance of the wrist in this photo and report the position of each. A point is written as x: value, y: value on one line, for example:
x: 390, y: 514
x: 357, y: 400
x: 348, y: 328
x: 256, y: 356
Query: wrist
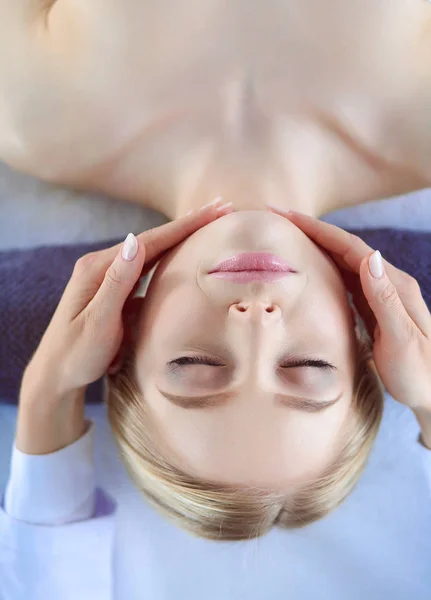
x: 45, y: 374
x: 424, y: 419
x: 49, y: 416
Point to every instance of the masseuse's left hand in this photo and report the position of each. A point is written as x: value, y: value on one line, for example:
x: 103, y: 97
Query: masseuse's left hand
x: 86, y: 332
x: 391, y: 306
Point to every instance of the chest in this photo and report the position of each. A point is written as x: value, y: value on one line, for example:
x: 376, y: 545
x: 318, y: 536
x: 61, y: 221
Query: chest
x: 289, y: 52
x: 233, y: 83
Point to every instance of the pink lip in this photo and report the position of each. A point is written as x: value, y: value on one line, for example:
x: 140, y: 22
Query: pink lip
x: 246, y: 276
x: 253, y: 266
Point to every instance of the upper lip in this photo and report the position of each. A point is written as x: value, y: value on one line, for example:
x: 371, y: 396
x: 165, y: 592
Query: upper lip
x: 254, y: 261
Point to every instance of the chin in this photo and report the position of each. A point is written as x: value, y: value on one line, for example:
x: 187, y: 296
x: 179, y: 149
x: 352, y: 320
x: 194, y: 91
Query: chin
x: 253, y: 221
x: 254, y: 215
x: 251, y: 230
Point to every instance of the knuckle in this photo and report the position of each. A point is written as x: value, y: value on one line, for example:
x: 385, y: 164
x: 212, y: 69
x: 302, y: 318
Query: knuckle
x: 410, y: 283
x: 411, y: 334
x: 92, y: 328
x: 113, y: 278
x: 83, y: 263
x: 149, y: 238
x: 388, y: 295
x: 92, y: 322
x: 354, y: 239
x: 407, y: 339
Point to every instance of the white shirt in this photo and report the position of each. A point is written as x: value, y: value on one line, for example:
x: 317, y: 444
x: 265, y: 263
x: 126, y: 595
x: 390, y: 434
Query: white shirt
x: 61, y: 538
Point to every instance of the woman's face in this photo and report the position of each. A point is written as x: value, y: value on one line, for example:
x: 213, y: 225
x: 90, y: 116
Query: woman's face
x: 242, y: 413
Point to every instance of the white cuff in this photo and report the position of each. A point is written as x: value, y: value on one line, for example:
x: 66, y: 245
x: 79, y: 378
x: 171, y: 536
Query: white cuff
x: 53, y: 489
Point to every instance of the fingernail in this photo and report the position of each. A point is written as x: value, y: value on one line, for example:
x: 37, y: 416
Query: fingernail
x: 224, y: 207
x: 190, y: 212
x: 213, y: 203
x: 375, y: 265
x: 130, y: 247
x: 275, y: 207
x: 281, y: 209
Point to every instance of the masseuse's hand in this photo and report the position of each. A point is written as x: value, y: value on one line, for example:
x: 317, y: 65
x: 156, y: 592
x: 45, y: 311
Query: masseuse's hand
x: 86, y: 331
x: 392, y: 307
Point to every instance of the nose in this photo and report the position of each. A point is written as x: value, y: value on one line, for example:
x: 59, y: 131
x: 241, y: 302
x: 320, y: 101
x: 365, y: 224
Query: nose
x: 263, y: 311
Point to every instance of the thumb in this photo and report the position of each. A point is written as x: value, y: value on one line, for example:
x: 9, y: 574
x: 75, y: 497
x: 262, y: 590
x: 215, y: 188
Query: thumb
x: 120, y: 279
x: 392, y: 318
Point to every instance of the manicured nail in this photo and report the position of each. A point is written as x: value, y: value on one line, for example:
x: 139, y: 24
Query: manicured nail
x: 213, y: 203
x: 281, y: 209
x: 190, y: 212
x: 375, y: 265
x: 130, y: 248
x: 275, y: 207
x: 224, y: 207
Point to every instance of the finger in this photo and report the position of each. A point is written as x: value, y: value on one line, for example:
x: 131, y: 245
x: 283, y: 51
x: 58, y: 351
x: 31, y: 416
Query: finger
x: 160, y: 239
x: 349, y: 251
x: 119, y: 281
x: 90, y: 270
x: 394, y: 320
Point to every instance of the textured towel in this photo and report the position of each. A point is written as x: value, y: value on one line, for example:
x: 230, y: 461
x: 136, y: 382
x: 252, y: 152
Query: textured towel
x: 32, y: 282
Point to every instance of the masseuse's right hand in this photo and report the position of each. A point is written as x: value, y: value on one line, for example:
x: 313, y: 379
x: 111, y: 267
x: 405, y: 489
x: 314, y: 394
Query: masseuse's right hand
x: 86, y: 332
x: 392, y: 308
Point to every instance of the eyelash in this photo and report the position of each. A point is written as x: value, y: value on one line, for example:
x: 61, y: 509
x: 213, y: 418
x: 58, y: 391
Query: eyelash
x: 206, y: 360
x: 309, y: 362
x: 196, y: 360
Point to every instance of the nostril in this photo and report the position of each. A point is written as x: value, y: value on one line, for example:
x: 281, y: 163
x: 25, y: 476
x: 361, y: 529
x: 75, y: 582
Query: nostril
x: 243, y: 308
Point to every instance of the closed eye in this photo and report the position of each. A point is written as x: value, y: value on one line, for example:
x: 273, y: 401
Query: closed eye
x: 290, y: 364
x: 308, y: 362
x: 196, y: 360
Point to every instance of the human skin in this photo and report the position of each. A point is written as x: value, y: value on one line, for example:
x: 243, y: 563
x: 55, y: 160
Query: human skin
x: 253, y: 331
x: 311, y: 105
x: 313, y: 115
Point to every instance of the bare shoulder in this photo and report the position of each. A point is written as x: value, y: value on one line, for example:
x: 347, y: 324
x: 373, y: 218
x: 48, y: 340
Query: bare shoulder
x: 59, y: 68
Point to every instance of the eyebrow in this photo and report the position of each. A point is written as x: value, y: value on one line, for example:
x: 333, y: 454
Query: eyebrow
x: 222, y: 398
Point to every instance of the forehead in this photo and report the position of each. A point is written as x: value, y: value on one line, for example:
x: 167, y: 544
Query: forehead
x: 249, y: 442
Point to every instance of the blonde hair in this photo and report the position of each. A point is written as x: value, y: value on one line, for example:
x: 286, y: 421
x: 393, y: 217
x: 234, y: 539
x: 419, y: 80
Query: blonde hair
x: 228, y: 512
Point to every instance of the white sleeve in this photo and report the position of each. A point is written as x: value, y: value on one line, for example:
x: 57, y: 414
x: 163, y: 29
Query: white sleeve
x: 56, y: 527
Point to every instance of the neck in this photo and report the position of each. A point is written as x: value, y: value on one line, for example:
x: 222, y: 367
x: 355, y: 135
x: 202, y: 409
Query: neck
x: 248, y: 187
x: 313, y: 171
x: 244, y: 164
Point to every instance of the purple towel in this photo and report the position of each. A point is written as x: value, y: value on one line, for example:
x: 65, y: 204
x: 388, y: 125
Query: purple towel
x: 32, y: 282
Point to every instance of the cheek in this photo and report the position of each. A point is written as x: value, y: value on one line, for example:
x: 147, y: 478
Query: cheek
x: 161, y: 317
x: 328, y: 299
x: 172, y: 315
x: 328, y: 316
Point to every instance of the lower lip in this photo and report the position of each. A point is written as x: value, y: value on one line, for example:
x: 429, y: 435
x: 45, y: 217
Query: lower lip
x: 247, y: 276
x: 253, y: 266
